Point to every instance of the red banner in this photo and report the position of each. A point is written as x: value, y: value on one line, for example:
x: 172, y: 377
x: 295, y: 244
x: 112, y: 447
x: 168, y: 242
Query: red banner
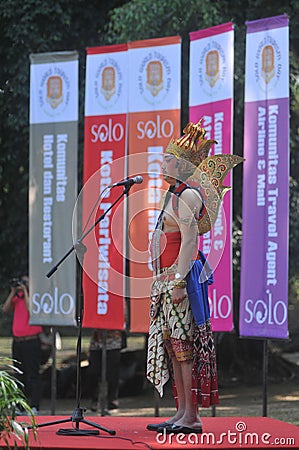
x: 104, y: 164
x: 154, y: 118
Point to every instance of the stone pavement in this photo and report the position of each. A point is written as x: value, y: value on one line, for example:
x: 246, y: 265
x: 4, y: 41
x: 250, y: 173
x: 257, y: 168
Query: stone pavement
x: 235, y: 400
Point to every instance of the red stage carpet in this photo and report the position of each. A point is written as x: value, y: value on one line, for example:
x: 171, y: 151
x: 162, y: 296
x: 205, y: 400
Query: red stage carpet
x: 218, y: 433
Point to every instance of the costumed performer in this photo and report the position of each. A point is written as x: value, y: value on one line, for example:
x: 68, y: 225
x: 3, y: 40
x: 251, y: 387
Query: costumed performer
x: 181, y: 344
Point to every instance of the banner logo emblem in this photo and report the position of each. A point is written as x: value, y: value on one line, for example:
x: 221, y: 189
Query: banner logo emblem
x: 268, y: 63
x: 212, y: 70
x: 54, y: 91
x: 267, y: 66
x: 108, y: 83
x: 212, y: 67
x: 154, y: 79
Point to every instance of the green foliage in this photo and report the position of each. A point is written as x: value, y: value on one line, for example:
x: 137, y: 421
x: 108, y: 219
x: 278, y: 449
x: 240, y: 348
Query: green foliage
x: 11, y: 400
x: 32, y: 26
x: 143, y: 19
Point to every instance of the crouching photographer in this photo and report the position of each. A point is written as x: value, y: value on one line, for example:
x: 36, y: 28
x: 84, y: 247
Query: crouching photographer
x: 26, y: 344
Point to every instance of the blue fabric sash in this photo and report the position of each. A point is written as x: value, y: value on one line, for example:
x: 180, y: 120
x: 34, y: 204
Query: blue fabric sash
x: 198, y: 279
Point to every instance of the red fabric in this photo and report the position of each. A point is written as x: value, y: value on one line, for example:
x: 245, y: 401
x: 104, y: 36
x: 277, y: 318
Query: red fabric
x: 20, y: 325
x: 170, y: 244
x: 204, y: 371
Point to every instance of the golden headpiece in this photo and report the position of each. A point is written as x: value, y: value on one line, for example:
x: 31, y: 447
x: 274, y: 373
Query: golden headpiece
x: 209, y: 171
x: 192, y: 146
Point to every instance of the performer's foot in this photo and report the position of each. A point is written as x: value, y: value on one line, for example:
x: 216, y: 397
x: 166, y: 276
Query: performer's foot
x: 169, y: 423
x: 177, y: 429
x: 155, y: 426
x: 178, y: 415
x: 183, y: 422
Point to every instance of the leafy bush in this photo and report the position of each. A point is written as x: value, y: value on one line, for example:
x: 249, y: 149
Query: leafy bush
x: 12, y: 403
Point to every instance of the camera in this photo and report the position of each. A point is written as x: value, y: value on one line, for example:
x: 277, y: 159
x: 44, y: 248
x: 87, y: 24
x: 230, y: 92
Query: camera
x: 16, y: 282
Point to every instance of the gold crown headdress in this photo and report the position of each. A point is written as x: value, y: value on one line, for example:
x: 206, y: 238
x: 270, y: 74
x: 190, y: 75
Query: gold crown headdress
x: 192, y: 146
x: 209, y: 173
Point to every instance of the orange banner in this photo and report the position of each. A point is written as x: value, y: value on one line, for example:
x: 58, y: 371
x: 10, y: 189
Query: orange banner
x: 154, y: 118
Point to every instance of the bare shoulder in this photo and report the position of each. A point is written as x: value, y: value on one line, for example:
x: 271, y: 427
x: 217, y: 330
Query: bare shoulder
x: 191, y: 197
x: 190, y: 200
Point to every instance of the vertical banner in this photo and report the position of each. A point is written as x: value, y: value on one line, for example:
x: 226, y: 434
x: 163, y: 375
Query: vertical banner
x: 211, y: 98
x: 104, y: 164
x: 264, y: 267
x: 52, y: 185
x: 154, y: 118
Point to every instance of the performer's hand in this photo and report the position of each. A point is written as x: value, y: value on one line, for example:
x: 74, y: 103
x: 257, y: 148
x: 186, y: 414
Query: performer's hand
x: 22, y: 285
x: 178, y: 295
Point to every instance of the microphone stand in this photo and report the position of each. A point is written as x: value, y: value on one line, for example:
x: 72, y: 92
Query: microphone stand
x: 78, y: 414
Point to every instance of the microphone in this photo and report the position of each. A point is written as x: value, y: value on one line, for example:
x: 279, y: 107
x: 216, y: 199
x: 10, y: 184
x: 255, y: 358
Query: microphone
x: 129, y: 181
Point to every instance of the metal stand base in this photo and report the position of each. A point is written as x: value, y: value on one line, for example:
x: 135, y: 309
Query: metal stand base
x: 77, y: 418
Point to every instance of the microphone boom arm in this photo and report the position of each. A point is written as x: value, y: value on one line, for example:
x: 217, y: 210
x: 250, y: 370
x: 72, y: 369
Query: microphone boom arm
x: 127, y: 187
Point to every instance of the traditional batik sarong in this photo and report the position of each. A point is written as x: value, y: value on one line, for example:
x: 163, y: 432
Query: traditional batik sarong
x: 183, y: 331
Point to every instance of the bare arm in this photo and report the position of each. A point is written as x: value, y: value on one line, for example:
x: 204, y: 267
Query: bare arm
x: 189, y: 205
x: 188, y: 229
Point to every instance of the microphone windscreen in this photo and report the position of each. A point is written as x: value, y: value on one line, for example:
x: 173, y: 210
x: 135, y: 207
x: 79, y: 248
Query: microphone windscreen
x: 138, y: 179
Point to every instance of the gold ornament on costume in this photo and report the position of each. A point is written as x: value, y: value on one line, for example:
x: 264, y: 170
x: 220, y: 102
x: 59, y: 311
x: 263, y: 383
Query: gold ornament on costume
x: 192, y: 146
x: 209, y: 171
x: 209, y: 176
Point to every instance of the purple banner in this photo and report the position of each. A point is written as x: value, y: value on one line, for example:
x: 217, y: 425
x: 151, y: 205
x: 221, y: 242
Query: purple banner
x: 264, y: 267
